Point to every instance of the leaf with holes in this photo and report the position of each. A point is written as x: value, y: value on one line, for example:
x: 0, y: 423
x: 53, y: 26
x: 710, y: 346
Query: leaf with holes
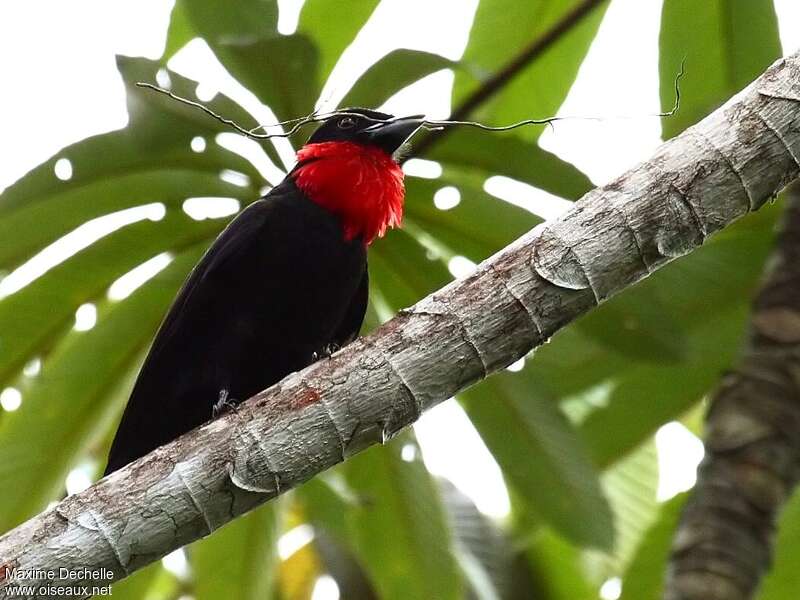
x: 112, y: 171
x: 503, y: 154
x: 32, y: 317
x: 149, y: 162
x: 64, y: 408
x: 34, y: 225
x: 476, y: 227
x: 401, y: 271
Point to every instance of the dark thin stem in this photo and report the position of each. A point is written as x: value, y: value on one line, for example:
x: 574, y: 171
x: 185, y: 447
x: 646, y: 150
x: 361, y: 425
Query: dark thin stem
x: 502, y: 77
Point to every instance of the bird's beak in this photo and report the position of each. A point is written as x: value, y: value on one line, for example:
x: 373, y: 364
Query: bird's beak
x: 390, y: 135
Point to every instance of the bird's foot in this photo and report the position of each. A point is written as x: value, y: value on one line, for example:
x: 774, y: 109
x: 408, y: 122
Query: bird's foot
x: 326, y: 351
x: 223, y: 405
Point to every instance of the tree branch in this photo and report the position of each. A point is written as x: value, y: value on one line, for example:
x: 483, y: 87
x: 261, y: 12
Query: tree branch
x: 723, y: 543
x: 514, y: 67
x: 696, y: 184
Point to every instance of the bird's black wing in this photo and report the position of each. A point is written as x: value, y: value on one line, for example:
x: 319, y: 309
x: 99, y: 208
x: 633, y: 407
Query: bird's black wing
x: 271, y: 292
x: 142, y: 428
x: 234, y: 243
x: 351, y: 324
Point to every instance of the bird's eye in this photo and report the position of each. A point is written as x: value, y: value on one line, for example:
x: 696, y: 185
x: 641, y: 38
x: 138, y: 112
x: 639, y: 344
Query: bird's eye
x: 347, y: 123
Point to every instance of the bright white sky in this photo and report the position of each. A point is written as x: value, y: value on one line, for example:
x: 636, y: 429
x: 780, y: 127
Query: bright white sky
x: 61, y: 86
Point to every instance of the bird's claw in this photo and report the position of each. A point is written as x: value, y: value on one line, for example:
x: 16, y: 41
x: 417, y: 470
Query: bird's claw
x: 223, y: 405
x: 326, y: 351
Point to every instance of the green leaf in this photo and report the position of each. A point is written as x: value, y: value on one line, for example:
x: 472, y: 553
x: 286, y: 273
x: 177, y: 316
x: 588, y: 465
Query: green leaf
x: 707, y: 295
x: 401, y: 272
x: 644, y: 397
x: 148, y: 110
x: 638, y: 324
x: 644, y: 578
x: 237, y: 20
x: 541, y: 455
x: 150, y: 161
x: 783, y: 579
x: 333, y: 27
x: 477, y: 227
x: 399, y: 529
x: 482, y: 550
x: 238, y: 560
x: 557, y: 569
x: 179, y: 33
x: 326, y: 501
x: 390, y: 74
x: 500, y: 31
x: 158, y: 137
x: 281, y: 71
x: 150, y: 127
x: 142, y: 585
x: 325, y: 505
x: 341, y: 564
x: 720, y: 61
x: 31, y: 317
x: 631, y: 486
x: 36, y: 224
x: 403, y: 265
x: 507, y: 155
x: 64, y: 407
x: 162, y: 129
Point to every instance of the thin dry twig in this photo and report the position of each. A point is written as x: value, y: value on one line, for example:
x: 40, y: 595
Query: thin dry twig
x: 431, y: 124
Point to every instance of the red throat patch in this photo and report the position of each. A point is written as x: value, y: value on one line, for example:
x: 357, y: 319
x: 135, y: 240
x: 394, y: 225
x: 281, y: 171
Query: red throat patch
x: 360, y: 184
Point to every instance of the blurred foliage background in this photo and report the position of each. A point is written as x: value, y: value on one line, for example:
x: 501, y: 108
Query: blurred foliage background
x: 572, y: 431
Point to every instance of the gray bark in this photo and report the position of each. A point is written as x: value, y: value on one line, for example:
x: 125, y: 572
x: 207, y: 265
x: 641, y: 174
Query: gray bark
x: 717, y: 171
x: 723, y: 544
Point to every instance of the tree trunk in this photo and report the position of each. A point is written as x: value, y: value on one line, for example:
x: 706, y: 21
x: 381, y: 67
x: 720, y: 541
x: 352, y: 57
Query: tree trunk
x: 724, y: 541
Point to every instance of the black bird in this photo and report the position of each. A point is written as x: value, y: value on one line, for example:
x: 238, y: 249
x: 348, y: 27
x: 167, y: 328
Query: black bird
x: 284, y: 283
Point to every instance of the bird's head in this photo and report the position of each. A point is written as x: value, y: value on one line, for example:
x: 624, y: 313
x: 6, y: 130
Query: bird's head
x: 348, y: 167
x: 368, y: 128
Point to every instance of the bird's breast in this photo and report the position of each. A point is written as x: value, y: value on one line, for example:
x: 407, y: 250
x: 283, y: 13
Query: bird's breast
x: 361, y: 185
